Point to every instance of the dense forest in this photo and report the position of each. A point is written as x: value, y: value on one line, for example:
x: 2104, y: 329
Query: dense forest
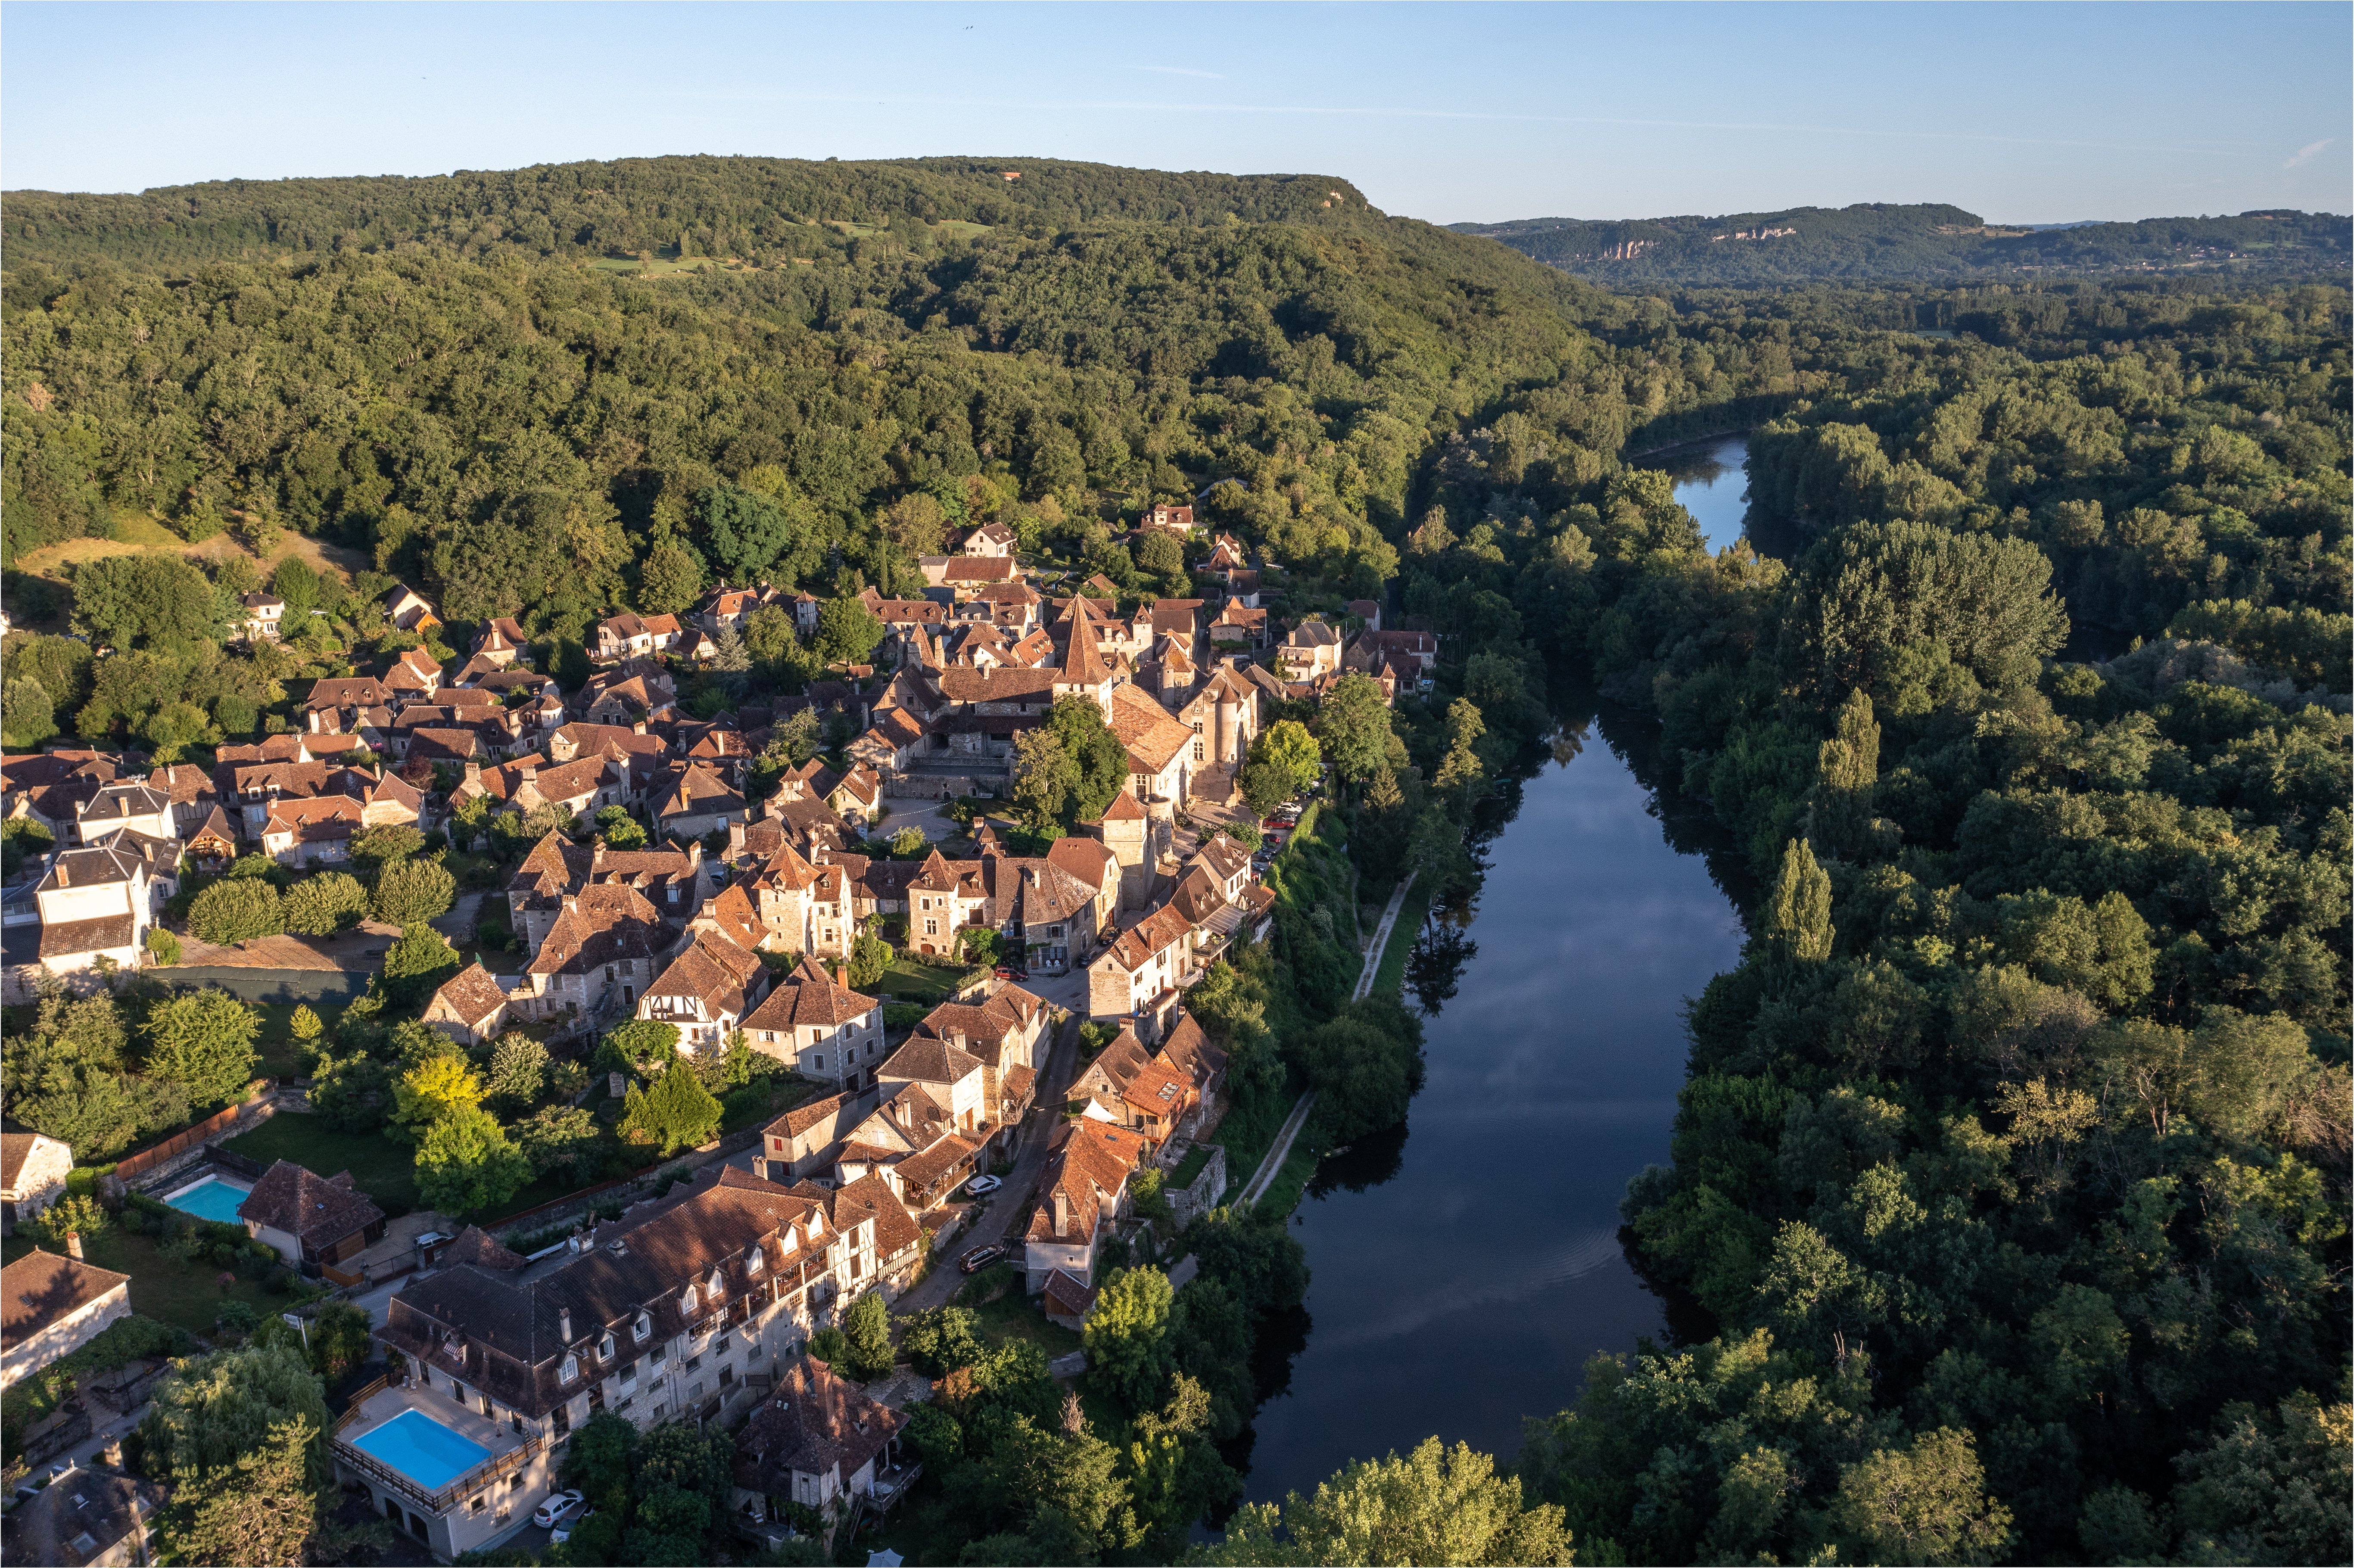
x: 2011, y: 1171
x: 1888, y: 242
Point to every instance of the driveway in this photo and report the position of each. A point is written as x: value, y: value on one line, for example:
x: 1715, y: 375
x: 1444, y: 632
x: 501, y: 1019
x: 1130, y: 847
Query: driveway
x: 1012, y: 1201
x: 936, y: 824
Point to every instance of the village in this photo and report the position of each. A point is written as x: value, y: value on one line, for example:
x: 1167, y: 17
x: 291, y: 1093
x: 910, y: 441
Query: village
x: 1007, y: 1125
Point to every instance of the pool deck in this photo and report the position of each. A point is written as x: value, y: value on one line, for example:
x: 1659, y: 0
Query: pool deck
x: 505, y: 1447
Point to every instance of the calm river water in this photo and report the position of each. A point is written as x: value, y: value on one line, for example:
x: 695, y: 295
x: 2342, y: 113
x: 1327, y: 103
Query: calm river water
x: 1465, y: 1266
x: 1711, y: 484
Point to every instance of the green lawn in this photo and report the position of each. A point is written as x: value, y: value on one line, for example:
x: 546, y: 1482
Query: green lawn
x: 382, y: 1169
x: 1390, y: 976
x: 187, y: 1297
x: 1189, y: 1167
x: 1282, y: 1194
x: 279, y: 1057
x: 914, y: 980
x: 1006, y: 1312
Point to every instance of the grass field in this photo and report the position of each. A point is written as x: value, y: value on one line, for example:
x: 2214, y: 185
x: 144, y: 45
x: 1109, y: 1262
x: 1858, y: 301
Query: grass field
x: 1390, y: 976
x: 189, y: 1297
x: 1006, y: 1312
x: 913, y: 981
x: 385, y: 1170
x: 1282, y: 1194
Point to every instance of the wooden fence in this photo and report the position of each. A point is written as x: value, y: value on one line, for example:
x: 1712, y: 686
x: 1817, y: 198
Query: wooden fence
x: 204, y: 1131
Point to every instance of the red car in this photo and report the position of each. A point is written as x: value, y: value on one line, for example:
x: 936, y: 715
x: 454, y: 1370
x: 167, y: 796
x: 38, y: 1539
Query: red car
x: 1008, y: 971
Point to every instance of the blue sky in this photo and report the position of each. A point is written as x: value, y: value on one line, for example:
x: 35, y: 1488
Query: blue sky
x: 2020, y: 112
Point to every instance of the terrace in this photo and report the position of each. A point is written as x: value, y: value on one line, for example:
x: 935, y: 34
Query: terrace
x: 428, y: 1453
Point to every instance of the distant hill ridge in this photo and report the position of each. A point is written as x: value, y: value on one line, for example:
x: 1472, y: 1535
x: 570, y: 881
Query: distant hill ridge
x: 1927, y: 241
x: 690, y: 205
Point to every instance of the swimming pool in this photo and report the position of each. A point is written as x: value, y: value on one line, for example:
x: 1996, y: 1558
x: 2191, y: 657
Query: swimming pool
x: 423, y: 1449
x: 211, y: 1199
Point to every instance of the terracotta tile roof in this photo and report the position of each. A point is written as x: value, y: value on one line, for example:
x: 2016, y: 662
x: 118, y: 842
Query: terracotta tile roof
x: 314, y: 1209
x: 810, y: 999
x: 732, y: 915
x: 982, y: 570
x: 479, y: 1248
x: 555, y: 781
x: 469, y: 996
x: 998, y: 683
x: 344, y: 691
x: 1033, y: 890
x: 1164, y: 927
x: 928, y: 1061
x: 313, y: 820
x: 1222, y: 855
x: 935, y: 1161
x: 1196, y: 897
x: 40, y: 1289
x: 599, y: 925
x: 553, y: 866
x: 810, y: 1114
x: 1176, y: 616
x: 711, y: 970
x: 871, y: 1198
x: 1190, y: 1051
x: 1084, y: 858
x: 1090, y: 1162
x: 1019, y: 1084
x: 816, y: 1424
x: 185, y: 783
x: 16, y: 1148
x: 1153, y: 739
x: 1158, y: 1090
x: 1124, y: 807
x: 901, y: 612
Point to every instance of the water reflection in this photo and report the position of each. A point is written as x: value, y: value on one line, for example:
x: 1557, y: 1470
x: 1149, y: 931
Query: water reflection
x: 1466, y: 1267
x: 1713, y: 483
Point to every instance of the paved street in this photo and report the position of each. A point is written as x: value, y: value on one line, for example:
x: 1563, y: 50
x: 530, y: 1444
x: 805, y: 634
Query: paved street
x: 1012, y: 1202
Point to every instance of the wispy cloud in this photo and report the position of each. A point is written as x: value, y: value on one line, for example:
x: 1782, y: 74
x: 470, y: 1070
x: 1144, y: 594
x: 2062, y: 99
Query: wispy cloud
x: 1182, y: 70
x: 2310, y: 150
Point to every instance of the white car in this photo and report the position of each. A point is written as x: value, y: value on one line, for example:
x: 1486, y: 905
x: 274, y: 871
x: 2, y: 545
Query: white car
x: 557, y: 1506
x: 983, y: 1186
x: 563, y: 1532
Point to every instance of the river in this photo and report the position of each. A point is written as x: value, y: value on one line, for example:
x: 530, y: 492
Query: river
x: 1467, y: 1264
x: 1713, y: 484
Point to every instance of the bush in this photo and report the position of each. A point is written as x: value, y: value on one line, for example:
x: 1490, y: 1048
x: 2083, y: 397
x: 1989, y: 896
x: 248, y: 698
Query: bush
x: 164, y: 945
x: 411, y: 892
x: 236, y: 909
x: 322, y: 905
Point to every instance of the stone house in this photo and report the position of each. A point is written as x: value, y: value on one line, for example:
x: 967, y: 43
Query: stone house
x: 706, y: 991
x: 823, y: 1029
x: 94, y: 1517
x: 119, y: 806
x: 806, y: 1140
x: 99, y: 903
x: 1082, y: 1191
x: 693, y: 801
x: 470, y: 1007
x: 309, y: 1219
x: 1136, y: 977
x: 1309, y: 650
x: 818, y: 1441
x: 601, y: 951
x: 51, y: 1307
x: 33, y: 1169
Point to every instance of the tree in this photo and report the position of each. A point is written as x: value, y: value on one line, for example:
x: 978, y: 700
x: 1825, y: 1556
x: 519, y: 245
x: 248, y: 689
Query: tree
x: 940, y: 1340
x: 560, y: 1138
x: 1265, y: 785
x: 1127, y: 1336
x: 142, y: 601
x: 847, y: 631
x: 518, y: 1069
x: 352, y: 1093
x: 75, y: 1215
x: 908, y: 842
x: 411, y: 892
x: 208, y: 1411
x: 793, y: 741
x: 1160, y: 555
x: 416, y: 965
x: 638, y: 1046
x: 619, y: 829
x: 236, y: 909
x: 1288, y: 744
x: 1799, y: 919
x: 261, y: 1509
x: 204, y: 1043
x: 305, y: 1028
x: 1461, y: 766
x: 670, y: 579
x: 1100, y: 760
x: 745, y: 531
x: 389, y: 845
x: 729, y: 656
x: 677, y: 1112
x: 1044, y: 775
x: 465, y: 1161
x: 1436, y: 1505
x: 1923, y: 1503
x: 323, y: 903
x: 1353, y: 724
x: 434, y: 1088
x: 866, y: 1331
x: 870, y: 958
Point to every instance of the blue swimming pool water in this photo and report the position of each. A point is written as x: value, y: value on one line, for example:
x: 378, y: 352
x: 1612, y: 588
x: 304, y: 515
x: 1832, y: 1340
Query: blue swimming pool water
x: 211, y: 1199
x: 423, y: 1449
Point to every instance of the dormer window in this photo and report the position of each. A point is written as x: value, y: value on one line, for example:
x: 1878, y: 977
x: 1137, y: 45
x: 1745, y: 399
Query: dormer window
x: 571, y: 1367
x: 687, y: 1302
x: 641, y: 1328
x: 716, y: 1285
x: 605, y: 1349
x: 754, y: 1262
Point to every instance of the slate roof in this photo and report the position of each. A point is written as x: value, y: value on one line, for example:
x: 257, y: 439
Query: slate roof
x: 599, y: 925
x: 81, y: 1518
x: 928, y: 1061
x: 102, y: 933
x: 317, y: 1210
x: 816, y: 1424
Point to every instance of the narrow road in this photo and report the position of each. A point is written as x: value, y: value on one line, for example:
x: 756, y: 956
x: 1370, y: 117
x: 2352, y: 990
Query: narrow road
x: 1263, y: 1177
x: 1381, y: 941
x: 1012, y: 1202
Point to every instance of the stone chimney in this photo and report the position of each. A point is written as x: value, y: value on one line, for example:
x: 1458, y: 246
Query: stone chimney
x: 564, y: 1324
x: 694, y: 852
x: 735, y: 838
x: 473, y: 771
x: 73, y: 1245
x: 529, y: 768
x: 597, y: 855
x: 1062, y: 1212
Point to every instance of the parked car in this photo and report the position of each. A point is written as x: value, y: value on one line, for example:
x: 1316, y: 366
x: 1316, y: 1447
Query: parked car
x: 981, y: 1257
x: 557, y: 1506
x: 563, y: 1532
x: 983, y: 1186
x: 1011, y: 972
